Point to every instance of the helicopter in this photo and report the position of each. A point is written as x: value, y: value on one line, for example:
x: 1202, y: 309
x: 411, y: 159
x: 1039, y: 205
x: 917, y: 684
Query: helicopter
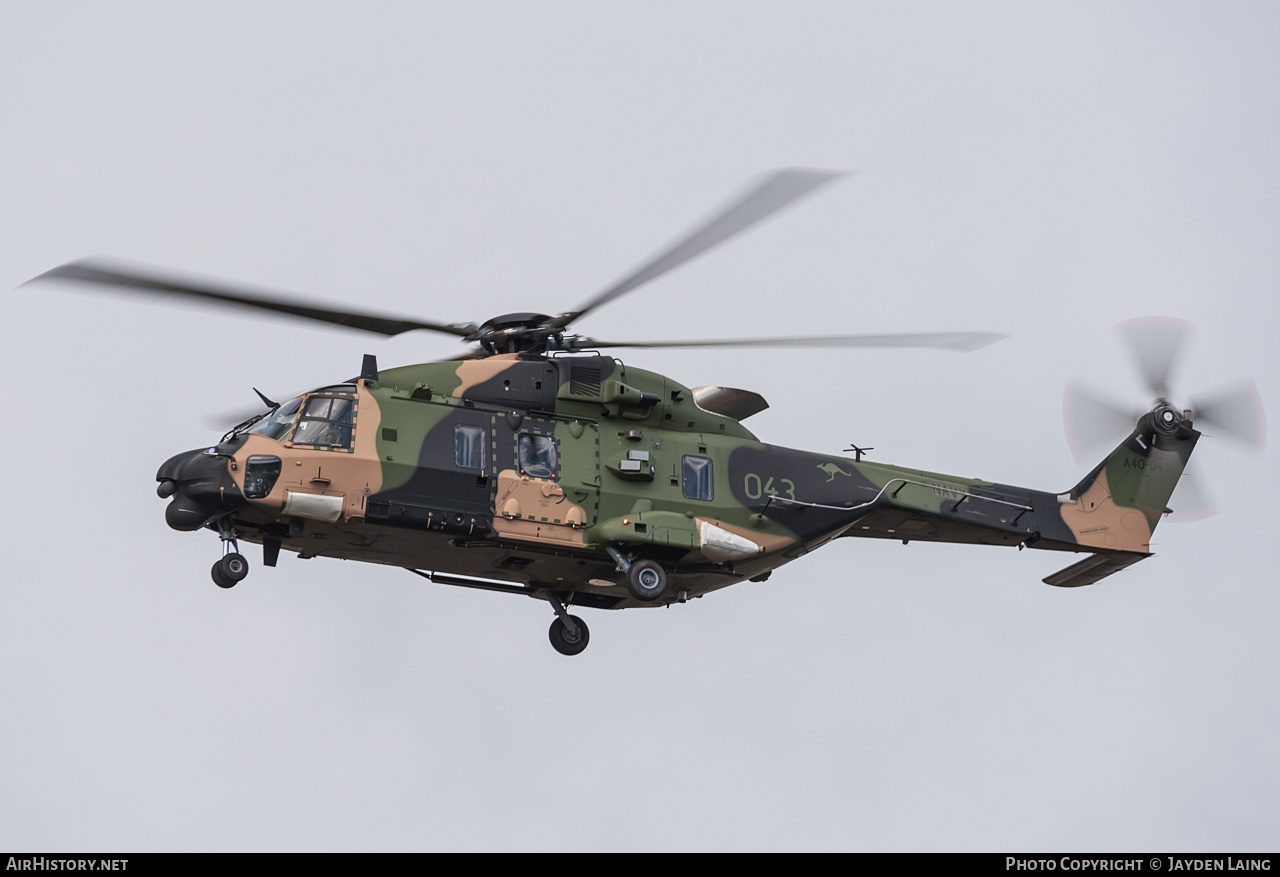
x: 536, y: 464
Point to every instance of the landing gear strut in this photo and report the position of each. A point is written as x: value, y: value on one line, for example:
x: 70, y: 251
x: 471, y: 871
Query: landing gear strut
x: 568, y: 633
x: 232, y: 568
x: 646, y: 579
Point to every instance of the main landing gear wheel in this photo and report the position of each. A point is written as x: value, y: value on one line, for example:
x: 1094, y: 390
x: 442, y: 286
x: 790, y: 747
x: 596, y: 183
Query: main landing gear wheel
x: 567, y: 643
x: 230, y: 570
x: 646, y: 580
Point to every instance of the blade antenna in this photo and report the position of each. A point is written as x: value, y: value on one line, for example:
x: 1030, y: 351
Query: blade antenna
x: 265, y: 400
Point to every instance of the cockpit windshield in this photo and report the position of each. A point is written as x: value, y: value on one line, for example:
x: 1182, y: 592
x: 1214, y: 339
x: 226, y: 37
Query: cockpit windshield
x: 277, y: 424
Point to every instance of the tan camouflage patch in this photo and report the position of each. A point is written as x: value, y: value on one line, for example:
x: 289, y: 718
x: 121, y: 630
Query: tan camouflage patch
x: 536, y: 509
x: 303, y: 469
x: 768, y: 542
x: 1098, y: 522
x: 473, y: 372
x: 771, y: 543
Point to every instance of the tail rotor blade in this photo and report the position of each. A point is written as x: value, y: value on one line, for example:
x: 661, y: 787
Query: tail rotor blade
x: 1235, y: 411
x: 1093, y: 423
x: 1155, y: 343
x: 1192, y: 500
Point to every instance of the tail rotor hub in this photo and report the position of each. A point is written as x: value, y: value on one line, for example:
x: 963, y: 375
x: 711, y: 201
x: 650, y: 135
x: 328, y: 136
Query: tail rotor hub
x: 1167, y: 418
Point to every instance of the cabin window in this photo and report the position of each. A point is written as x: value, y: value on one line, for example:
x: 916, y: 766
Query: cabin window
x: 326, y: 420
x: 697, y: 478
x: 537, y: 455
x: 468, y: 446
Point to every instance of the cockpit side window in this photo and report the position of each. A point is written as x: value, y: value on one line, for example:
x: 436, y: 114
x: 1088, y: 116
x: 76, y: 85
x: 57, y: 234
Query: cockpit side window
x: 326, y: 420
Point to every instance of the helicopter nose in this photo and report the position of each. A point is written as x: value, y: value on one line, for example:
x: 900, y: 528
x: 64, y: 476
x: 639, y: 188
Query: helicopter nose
x: 201, y: 486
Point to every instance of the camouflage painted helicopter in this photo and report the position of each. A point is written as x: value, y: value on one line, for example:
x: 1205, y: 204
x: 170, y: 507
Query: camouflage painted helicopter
x: 535, y: 464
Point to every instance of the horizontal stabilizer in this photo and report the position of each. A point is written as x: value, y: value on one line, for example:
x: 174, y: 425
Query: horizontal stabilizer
x: 1093, y: 568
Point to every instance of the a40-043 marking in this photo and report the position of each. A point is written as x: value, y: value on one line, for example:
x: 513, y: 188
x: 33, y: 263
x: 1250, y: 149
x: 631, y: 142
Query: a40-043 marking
x: 754, y: 487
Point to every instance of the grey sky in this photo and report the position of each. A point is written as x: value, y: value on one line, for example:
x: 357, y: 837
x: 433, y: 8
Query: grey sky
x: 1044, y: 170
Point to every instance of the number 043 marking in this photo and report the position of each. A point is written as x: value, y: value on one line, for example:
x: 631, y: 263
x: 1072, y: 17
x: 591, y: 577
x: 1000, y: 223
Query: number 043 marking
x: 755, y: 488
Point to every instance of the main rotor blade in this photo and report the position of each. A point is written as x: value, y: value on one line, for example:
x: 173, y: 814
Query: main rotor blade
x: 1154, y: 343
x: 102, y: 273
x: 960, y: 341
x: 1236, y: 411
x: 769, y: 196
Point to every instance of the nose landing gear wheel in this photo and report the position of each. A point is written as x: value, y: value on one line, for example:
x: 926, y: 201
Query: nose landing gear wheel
x: 646, y: 580
x: 569, y: 643
x: 231, y: 569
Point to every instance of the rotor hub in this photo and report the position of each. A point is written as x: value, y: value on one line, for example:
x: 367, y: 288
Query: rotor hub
x: 1167, y: 418
x: 517, y: 333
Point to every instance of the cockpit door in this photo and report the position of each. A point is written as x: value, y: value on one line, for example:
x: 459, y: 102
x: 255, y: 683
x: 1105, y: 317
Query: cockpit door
x: 327, y: 421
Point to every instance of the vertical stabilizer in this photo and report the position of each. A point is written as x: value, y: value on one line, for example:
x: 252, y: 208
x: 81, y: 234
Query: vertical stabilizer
x: 1119, y: 503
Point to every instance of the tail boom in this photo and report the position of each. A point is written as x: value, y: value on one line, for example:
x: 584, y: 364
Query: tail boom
x: 1110, y: 514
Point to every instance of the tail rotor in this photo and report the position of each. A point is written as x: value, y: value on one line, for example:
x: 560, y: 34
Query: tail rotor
x: 1156, y: 345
